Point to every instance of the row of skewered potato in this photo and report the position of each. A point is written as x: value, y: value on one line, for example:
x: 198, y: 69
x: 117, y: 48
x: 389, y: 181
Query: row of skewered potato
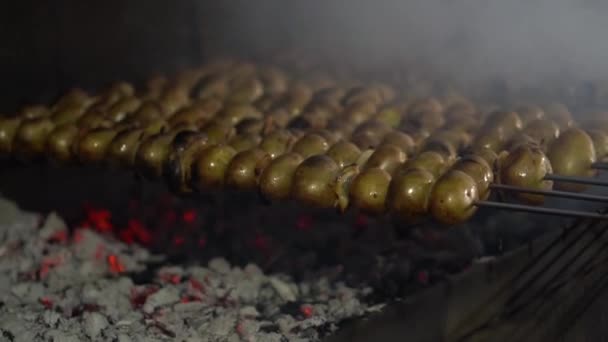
x: 320, y: 141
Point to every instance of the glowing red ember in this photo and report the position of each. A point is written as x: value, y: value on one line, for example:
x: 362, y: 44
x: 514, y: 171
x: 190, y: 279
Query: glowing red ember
x: 304, y: 222
x: 261, y: 243
x: 47, y: 302
x: 195, y: 284
x: 306, y: 310
x: 171, y: 278
x: 423, y: 277
x: 361, y: 222
x: 138, y: 297
x: 136, y: 232
x: 46, y: 265
x: 60, y: 236
x: 100, y: 219
x: 189, y: 299
x: 178, y: 240
x: 115, y: 265
x: 189, y: 216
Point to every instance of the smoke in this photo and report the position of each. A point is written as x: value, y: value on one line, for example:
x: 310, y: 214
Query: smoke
x: 519, y: 40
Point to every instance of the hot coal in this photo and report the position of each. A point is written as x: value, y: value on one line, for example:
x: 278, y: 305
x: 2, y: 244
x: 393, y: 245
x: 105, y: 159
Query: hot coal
x: 282, y: 271
x: 62, y: 286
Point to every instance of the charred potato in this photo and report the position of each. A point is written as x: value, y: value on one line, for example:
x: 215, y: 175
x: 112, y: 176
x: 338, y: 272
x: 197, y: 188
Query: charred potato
x: 185, y: 150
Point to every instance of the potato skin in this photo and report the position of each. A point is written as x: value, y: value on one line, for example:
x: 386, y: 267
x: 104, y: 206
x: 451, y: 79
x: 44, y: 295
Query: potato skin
x: 276, y: 179
x: 93, y: 146
x: 544, y: 131
x: 453, y: 198
x: 153, y: 153
x: 60, y: 142
x: 408, y: 195
x: 430, y: 161
x: 8, y: 130
x: 600, y: 142
x: 314, y: 182
x: 209, y: 170
x: 426, y: 113
x: 310, y: 145
x: 185, y: 150
x: 31, y: 136
x: 369, y: 189
x: 479, y: 170
x: 497, y: 129
x: 572, y: 155
x: 344, y: 153
x: 245, y: 168
x: 401, y: 140
x: 560, y: 114
x: 366, y: 139
x: 486, y: 154
x: 387, y: 158
x: 277, y: 143
x: 526, y: 167
x: 529, y: 113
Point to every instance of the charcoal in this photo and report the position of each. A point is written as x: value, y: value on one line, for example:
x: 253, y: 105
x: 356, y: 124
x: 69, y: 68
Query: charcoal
x: 62, y: 284
x: 94, y: 323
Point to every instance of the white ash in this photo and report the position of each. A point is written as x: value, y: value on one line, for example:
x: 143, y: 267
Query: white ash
x: 56, y: 286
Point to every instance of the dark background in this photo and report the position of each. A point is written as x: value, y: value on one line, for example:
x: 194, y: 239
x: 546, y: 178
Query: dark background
x: 49, y: 46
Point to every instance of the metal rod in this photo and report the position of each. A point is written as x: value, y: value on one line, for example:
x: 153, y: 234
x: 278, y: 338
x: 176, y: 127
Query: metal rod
x: 528, y: 274
x: 575, y: 179
x: 600, y: 165
x: 547, y: 287
x: 557, y: 248
x: 541, y: 210
x: 552, y: 193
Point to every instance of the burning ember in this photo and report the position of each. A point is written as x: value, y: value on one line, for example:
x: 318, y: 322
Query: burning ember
x: 85, y: 287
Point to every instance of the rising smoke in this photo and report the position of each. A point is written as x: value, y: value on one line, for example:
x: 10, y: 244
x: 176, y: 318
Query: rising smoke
x: 520, y: 40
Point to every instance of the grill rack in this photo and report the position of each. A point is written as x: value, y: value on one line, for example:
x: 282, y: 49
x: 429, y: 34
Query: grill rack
x: 548, y: 290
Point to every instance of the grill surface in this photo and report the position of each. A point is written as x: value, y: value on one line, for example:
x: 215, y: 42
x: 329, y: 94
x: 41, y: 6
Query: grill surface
x: 552, y: 289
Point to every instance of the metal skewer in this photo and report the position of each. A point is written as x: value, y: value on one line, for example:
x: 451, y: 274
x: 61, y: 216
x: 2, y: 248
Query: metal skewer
x: 541, y: 210
x: 575, y: 179
x: 600, y: 165
x: 552, y: 193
